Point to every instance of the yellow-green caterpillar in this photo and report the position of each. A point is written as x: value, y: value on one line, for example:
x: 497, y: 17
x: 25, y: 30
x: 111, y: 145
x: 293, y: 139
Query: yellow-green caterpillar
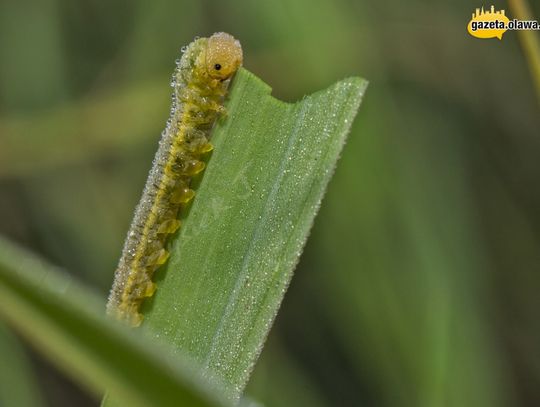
x: 200, y: 84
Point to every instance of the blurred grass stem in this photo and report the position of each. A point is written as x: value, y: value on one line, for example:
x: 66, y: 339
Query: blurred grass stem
x: 530, y: 41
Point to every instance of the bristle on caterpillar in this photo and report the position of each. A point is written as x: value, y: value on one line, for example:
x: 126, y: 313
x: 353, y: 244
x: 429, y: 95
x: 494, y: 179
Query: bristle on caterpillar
x: 200, y: 83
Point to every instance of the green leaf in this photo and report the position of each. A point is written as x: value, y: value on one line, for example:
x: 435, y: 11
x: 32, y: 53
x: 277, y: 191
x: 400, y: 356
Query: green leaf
x: 229, y: 266
x: 235, y: 254
x: 67, y: 325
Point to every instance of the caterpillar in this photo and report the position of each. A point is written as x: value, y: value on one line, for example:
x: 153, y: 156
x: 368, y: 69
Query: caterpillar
x: 200, y: 83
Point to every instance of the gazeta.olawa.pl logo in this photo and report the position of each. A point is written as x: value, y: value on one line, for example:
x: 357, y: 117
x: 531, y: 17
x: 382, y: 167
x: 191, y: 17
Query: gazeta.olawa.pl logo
x: 493, y: 24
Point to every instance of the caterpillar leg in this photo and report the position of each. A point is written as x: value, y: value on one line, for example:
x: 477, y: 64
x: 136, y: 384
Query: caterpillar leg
x: 169, y: 226
x: 157, y: 258
x: 206, y: 148
x: 149, y: 289
x: 182, y: 195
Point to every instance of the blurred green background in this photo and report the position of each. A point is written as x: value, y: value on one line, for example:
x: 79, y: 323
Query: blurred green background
x: 419, y: 284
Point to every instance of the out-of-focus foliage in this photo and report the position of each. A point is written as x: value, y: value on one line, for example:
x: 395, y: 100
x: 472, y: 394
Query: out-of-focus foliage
x: 419, y: 282
x: 62, y: 320
x: 18, y: 386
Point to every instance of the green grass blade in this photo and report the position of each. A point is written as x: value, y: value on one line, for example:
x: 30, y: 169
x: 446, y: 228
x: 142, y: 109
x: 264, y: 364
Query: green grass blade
x: 67, y: 324
x: 234, y: 256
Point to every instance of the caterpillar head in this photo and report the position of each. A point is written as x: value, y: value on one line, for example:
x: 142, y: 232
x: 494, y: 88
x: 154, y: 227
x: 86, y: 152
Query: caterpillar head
x: 223, y: 56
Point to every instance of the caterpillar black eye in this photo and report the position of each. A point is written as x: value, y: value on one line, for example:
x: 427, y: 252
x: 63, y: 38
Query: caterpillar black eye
x: 217, y: 67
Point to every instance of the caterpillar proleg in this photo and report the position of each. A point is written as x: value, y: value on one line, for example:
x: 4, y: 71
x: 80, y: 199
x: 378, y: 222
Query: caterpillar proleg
x: 200, y: 84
